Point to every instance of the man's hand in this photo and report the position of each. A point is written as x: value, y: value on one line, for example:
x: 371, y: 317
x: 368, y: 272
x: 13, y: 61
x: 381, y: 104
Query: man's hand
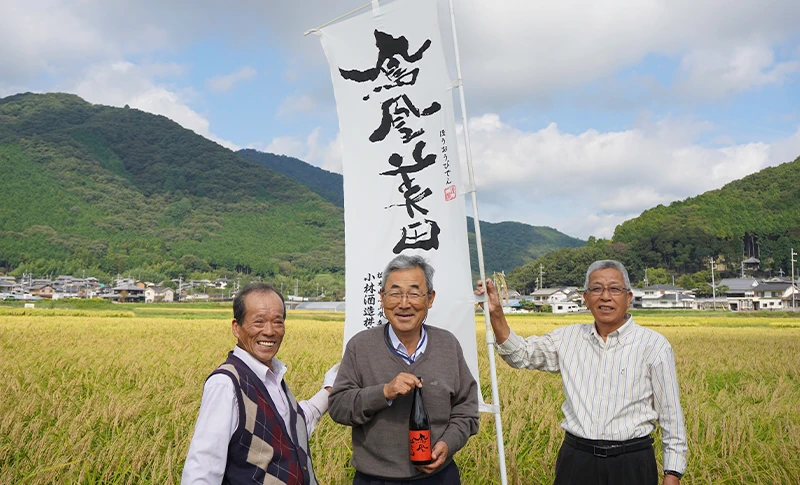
x: 401, y: 385
x: 439, y: 455
x: 499, y: 324
x: 671, y: 480
x: 330, y: 377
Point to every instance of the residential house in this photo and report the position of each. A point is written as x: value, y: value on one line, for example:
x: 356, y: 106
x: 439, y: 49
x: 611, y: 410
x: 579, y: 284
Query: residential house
x: 672, y: 301
x: 638, y: 294
x: 791, y: 297
x: 44, y: 291
x: 769, y: 295
x: 158, y: 293
x: 126, y: 293
x: 740, y: 293
x: 554, y: 295
x: 667, y: 296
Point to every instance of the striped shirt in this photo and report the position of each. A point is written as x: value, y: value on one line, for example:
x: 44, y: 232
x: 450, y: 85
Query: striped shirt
x: 615, y: 389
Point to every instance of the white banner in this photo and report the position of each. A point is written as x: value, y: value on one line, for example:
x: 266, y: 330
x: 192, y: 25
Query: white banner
x: 402, y: 177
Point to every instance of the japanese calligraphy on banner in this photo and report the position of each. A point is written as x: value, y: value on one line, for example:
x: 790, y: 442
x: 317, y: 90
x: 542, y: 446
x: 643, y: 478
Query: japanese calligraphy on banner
x: 400, y: 161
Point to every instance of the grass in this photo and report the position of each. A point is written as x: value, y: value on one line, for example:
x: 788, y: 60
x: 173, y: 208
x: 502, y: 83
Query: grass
x: 91, y: 397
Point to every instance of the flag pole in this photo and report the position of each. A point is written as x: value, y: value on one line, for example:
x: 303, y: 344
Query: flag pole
x: 490, y: 340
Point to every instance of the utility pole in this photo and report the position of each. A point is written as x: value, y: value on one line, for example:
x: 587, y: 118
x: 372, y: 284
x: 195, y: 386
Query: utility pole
x: 541, y: 276
x: 713, y: 285
x: 794, y: 282
x: 645, y: 277
x: 675, y: 290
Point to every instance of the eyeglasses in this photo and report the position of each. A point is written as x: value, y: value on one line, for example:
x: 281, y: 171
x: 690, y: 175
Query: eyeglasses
x: 612, y: 290
x: 397, y: 296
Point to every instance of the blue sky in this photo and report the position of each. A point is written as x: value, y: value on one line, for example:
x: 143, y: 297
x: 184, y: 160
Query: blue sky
x: 582, y: 114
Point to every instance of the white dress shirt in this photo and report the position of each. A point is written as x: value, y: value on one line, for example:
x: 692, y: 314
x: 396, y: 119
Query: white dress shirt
x: 219, y: 418
x: 615, y: 389
x: 403, y: 351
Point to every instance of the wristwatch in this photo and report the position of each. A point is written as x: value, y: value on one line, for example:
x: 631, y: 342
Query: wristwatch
x: 673, y: 473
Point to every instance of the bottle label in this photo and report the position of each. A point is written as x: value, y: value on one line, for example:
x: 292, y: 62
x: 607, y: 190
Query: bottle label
x: 420, y: 445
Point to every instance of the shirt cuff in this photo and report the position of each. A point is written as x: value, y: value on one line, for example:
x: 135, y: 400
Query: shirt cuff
x: 320, y: 401
x: 512, y: 343
x: 674, y: 461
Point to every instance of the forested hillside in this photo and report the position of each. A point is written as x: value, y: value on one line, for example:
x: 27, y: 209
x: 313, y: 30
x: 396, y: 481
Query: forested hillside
x: 506, y: 245
x: 761, y: 210
x: 108, y: 190
x: 327, y: 185
x: 758, y: 215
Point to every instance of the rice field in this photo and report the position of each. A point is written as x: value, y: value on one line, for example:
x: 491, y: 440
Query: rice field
x: 110, y: 396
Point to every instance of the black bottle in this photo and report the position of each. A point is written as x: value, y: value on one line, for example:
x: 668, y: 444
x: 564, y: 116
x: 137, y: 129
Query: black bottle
x: 419, y: 431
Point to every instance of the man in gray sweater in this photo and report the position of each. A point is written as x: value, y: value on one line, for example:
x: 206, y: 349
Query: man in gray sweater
x: 380, y: 368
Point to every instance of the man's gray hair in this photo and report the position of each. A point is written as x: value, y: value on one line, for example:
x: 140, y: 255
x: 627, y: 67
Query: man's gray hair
x: 408, y: 262
x: 606, y: 264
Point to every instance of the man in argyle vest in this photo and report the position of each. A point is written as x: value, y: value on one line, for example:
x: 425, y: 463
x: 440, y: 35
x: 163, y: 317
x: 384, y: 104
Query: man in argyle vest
x: 250, y: 428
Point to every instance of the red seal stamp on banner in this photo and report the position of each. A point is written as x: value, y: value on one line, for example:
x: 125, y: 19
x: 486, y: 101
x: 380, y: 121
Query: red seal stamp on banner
x: 450, y: 193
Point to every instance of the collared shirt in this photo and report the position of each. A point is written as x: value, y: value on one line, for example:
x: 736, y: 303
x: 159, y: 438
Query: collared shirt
x: 615, y: 389
x: 403, y: 351
x: 219, y: 418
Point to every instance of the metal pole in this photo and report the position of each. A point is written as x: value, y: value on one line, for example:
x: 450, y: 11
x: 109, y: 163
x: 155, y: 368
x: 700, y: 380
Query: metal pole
x: 713, y: 285
x: 793, y: 280
x: 490, y: 341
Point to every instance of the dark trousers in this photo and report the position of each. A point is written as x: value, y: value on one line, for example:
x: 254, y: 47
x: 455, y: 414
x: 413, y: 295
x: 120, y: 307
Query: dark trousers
x: 446, y: 476
x: 577, y: 467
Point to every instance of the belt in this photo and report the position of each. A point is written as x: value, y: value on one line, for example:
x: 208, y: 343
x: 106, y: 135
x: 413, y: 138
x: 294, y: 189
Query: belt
x: 604, y: 449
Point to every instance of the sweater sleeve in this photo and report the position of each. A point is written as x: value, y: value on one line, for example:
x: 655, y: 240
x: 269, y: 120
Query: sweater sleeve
x: 349, y: 403
x: 464, y: 416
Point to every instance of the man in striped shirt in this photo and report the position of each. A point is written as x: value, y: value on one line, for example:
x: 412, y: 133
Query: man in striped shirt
x: 619, y: 380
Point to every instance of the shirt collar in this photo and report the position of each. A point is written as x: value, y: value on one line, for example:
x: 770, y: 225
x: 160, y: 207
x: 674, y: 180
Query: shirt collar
x: 626, y: 328
x: 261, y: 370
x: 619, y: 333
x: 398, y: 345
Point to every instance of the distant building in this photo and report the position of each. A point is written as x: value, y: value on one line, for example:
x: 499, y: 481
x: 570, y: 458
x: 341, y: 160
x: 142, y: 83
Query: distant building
x: 158, y: 294
x: 126, y: 293
x: 667, y: 296
x: 677, y: 300
x: 328, y: 306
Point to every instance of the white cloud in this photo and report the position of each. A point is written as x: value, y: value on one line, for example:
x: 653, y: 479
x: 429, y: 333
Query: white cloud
x: 586, y: 184
x: 121, y: 83
x: 716, y: 74
x: 296, y: 103
x: 222, y: 84
x: 325, y: 155
x: 510, y: 48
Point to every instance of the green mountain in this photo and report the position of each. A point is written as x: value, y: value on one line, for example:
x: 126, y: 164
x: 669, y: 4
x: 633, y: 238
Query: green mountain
x: 758, y: 215
x: 506, y: 245
x: 327, y: 185
x: 113, y: 190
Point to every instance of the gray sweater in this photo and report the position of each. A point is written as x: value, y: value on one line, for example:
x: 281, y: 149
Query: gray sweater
x: 380, y: 431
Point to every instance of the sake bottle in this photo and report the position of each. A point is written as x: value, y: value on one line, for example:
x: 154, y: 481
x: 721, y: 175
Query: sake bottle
x: 419, y: 431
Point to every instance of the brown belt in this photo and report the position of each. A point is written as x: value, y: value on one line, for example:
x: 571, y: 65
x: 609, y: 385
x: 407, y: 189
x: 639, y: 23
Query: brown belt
x: 604, y: 449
